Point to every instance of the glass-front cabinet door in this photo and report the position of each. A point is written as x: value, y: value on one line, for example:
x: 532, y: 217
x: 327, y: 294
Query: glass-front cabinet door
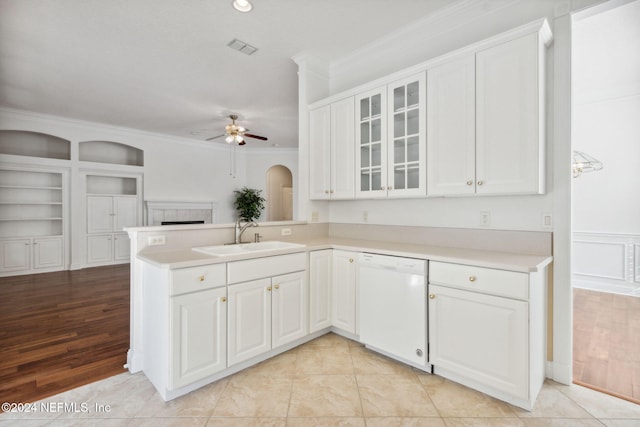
x: 371, y: 141
x: 406, y: 150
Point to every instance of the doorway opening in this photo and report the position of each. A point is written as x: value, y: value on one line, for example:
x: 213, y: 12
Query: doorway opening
x: 279, y: 194
x: 605, y: 226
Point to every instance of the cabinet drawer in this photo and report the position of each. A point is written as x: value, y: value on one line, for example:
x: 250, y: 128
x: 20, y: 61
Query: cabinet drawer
x: 252, y: 269
x: 192, y: 279
x: 485, y: 280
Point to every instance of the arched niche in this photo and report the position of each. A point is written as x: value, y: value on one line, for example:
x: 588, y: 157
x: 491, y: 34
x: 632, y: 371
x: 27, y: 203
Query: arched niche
x: 111, y: 152
x: 34, y: 144
x: 279, y: 193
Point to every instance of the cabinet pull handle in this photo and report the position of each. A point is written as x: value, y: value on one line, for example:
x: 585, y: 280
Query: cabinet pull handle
x: 480, y: 182
x: 472, y: 278
x: 276, y: 286
x: 201, y: 278
x: 381, y: 188
x: 223, y: 299
x: 331, y: 191
x: 389, y: 188
x: 269, y: 288
x: 326, y: 191
x: 350, y: 259
x: 469, y: 182
x: 432, y: 296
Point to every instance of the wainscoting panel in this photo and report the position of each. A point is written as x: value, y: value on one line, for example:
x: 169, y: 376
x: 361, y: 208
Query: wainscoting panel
x: 606, y: 262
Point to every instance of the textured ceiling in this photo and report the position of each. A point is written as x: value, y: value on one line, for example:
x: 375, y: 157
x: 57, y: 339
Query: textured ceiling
x: 164, y: 65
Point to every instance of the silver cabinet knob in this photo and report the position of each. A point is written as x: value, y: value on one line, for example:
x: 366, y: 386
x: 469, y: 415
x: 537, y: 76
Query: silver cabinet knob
x: 469, y: 182
x: 480, y: 182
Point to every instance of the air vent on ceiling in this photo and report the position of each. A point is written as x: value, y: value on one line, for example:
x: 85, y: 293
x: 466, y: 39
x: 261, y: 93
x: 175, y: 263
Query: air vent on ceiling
x: 241, y: 46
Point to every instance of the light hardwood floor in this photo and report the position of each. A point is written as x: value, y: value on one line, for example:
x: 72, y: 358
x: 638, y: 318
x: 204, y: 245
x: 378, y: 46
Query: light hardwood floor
x: 606, y: 342
x: 62, y: 330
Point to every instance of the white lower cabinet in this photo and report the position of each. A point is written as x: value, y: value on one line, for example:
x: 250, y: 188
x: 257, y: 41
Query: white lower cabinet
x: 184, y: 325
x: 249, y: 319
x: 107, y: 248
x: 486, y: 330
x: 265, y: 314
x: 320, y: 289
x: 31, y: 254
x: 344, y: 279
x: 198, y: 335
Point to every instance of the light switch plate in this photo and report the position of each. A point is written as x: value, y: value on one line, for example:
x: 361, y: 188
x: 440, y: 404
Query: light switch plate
x: 286, y: 232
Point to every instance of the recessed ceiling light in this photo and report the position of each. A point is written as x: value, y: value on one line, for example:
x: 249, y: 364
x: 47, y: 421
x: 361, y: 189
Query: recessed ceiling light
x: 242, y: 5
x: 193, y: 132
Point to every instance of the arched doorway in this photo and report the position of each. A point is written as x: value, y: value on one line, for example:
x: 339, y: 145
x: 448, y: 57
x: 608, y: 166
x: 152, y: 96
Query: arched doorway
x: 279, y: 194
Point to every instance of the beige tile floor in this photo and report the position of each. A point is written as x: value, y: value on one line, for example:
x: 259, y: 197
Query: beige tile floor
x: 330, y: 381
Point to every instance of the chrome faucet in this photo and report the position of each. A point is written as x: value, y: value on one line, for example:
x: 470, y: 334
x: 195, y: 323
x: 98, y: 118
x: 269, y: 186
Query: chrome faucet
x: 240, y: 229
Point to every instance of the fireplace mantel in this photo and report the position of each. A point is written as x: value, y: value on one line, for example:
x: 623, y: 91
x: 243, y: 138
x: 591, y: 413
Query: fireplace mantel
x: 158, y: 211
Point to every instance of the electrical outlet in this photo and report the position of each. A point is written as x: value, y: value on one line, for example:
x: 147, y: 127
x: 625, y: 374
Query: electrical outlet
x: 485, y: 218
x: 156, y: 240
x: 547, y: 220
x: 314, y: 216
x: 286, y: 232
x: 365, y: 216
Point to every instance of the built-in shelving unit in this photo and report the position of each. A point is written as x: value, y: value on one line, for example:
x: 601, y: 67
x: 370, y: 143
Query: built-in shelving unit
x: 32, y: 219
x: 113, y: 203
x: 111, y: 152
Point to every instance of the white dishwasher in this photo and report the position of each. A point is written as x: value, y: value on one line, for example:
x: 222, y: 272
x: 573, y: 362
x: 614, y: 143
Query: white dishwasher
x: 393, y: 307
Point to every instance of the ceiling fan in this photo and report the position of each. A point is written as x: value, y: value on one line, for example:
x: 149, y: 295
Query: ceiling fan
x: 235, y: 133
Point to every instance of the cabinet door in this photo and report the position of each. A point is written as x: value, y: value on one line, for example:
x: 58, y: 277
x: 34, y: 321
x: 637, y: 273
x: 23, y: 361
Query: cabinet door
x: 371, y: 144
x: 451, y: 128
x: 289, y: 308
x: 320, y: 153
x: 99, y: 248
x: 480, y: 337
x: 16, y: 255
x: 47, y: 252
x: 100, y: 214
x: 343, y: 295
x: 320, y: 289
x: 121, y: 247
x: 249, y: 319
x: 343, y: 176
x: 406, y: 150
x: 198, y: 336
x: 125, y: 210
x: 509, y: 141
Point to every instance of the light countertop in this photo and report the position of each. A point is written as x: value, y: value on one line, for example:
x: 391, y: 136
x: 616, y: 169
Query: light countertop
x: 183, y: 258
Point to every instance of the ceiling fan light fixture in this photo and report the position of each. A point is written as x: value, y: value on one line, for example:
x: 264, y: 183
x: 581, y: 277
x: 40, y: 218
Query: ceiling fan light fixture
x: 242, y: 5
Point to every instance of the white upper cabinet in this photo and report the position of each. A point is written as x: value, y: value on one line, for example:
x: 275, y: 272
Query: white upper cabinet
x: 320, y: 153
x: 391, y: 137
x: 332, y: 151
x: 485, y: 121
x: 406, y: 149
x: 510, y: 118
x: 371, y: 138
x: 451, y: 125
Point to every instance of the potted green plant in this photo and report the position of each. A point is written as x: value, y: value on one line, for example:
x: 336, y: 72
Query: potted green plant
x: 249, y: 204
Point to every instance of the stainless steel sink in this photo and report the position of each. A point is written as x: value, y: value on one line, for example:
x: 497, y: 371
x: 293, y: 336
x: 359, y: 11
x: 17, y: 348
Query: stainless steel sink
x: 246, y: 248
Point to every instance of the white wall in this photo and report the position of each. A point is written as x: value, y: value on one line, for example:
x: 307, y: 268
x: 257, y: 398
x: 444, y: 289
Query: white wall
x: 177, y: 169
x: 606, y: 120
x: 606, y: 125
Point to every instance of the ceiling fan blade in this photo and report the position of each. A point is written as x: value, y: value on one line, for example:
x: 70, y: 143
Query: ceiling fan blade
x: 241, y: 143
x: 215, y: 137
x: 250, y: 135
